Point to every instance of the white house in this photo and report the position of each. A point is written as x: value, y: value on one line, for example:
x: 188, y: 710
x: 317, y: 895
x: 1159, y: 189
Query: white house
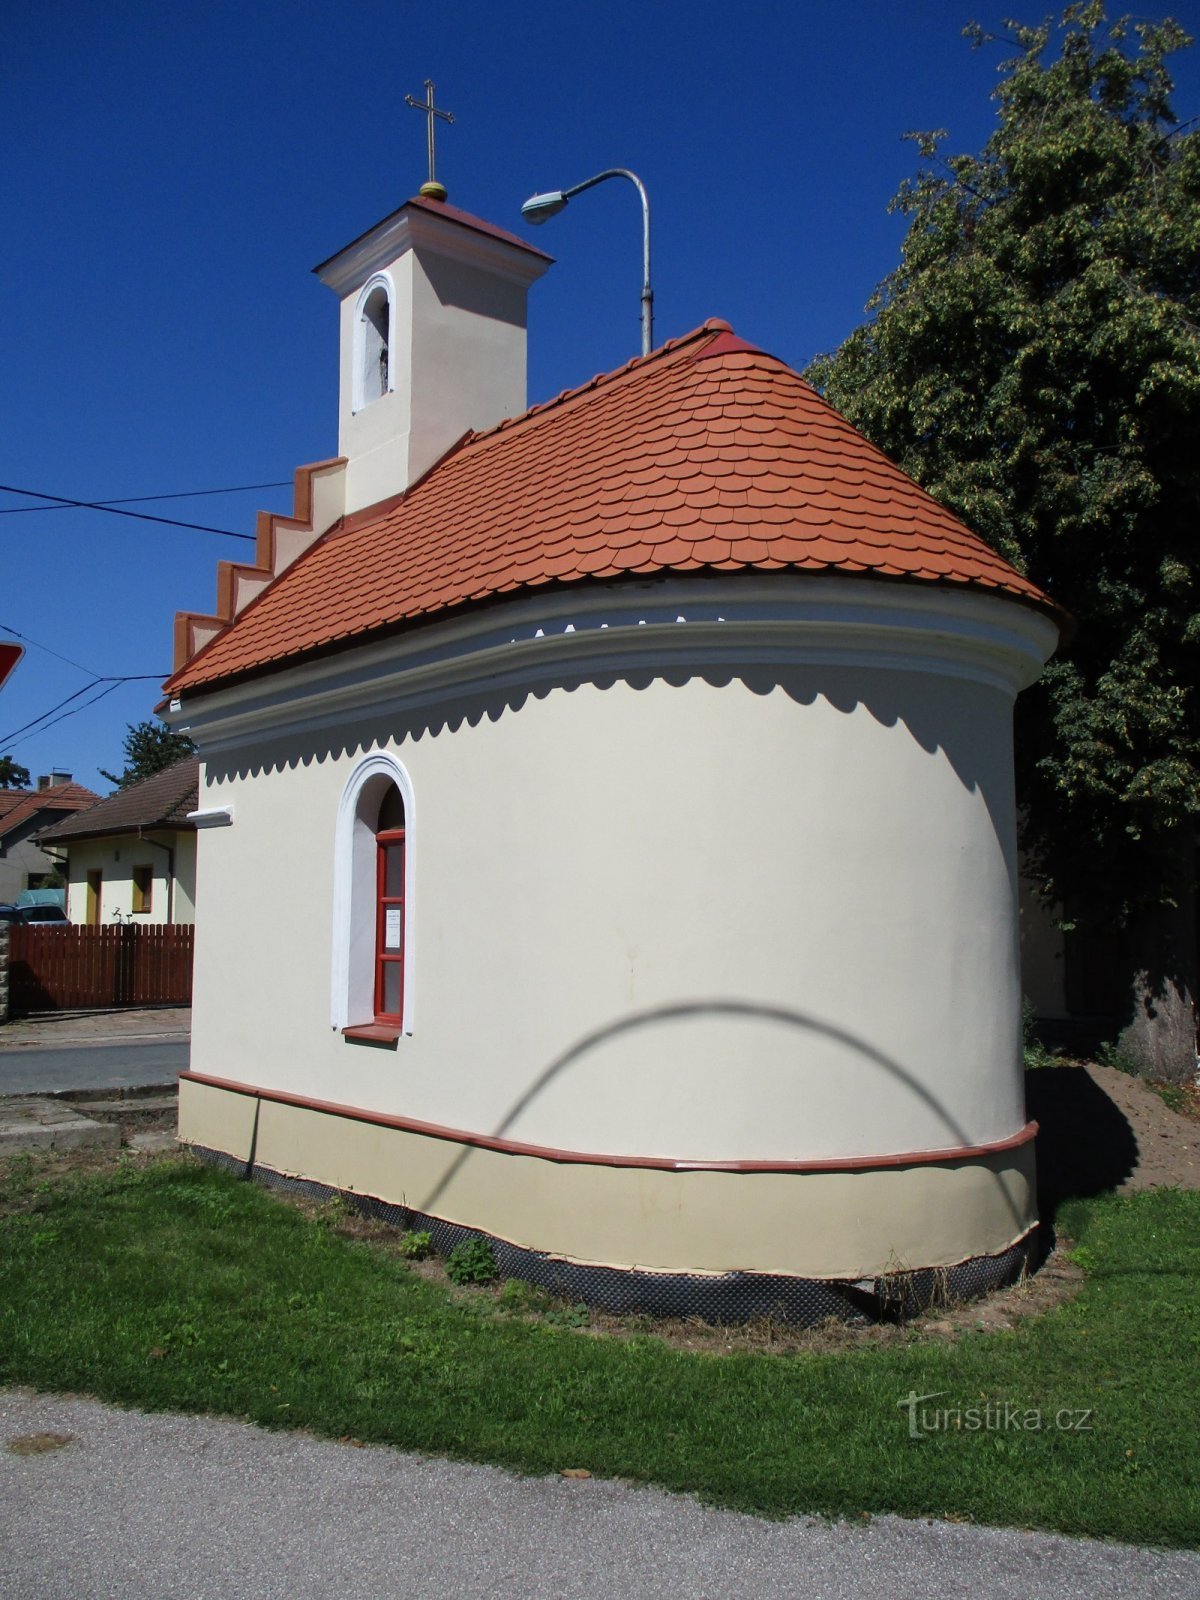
x: 132, y: 856
x: 607, y: 821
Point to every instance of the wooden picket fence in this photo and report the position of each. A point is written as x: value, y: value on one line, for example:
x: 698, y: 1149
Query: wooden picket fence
x: 56, y: 968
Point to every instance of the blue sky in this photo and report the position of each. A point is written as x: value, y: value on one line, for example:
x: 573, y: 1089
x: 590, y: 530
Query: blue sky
x: 173, y: 171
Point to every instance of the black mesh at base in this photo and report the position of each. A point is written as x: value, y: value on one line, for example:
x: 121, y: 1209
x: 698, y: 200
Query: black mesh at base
x: 726, y: 1298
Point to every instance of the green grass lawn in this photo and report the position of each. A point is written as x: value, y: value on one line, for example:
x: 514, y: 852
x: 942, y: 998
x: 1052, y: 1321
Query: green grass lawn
x: 174, y: 1286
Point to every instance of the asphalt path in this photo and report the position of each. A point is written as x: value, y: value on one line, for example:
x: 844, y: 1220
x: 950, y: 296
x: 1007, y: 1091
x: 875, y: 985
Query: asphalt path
x: 115, y: 1064
x: 200, y: 1508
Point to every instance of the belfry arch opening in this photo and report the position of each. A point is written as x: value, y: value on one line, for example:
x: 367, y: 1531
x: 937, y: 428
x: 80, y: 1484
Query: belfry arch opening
x: 375, y: 326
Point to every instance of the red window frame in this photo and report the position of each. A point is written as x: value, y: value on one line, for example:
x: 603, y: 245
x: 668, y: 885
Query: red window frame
x: 384, y: 902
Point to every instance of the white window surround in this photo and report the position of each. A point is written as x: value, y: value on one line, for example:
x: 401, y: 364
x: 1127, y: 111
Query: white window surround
x: 353, y: 966
x: 366, y: 346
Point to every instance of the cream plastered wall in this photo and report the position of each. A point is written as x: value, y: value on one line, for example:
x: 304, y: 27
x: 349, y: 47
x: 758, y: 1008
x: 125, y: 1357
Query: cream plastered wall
x: 115, y: 859
x: 374, y: 437
x: 822, y: 1225
x: 457, y: 354
x: 692, y: 919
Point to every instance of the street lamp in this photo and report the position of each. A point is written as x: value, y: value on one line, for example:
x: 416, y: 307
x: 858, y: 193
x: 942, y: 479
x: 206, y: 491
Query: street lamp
x: 540, y: 207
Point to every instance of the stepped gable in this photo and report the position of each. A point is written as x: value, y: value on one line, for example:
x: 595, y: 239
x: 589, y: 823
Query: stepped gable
x: 707, y: 455
x: 279, y: 540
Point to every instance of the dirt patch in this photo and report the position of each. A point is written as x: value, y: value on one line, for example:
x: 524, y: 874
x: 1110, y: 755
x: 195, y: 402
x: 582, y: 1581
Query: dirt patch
x: 26, y: 1176
x: 1168, y: 1142
x: 38, y: 1444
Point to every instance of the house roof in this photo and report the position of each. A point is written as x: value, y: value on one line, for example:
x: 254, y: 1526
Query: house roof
x: 18, y: 805
x: 706, y: 455
x: 162, y: 800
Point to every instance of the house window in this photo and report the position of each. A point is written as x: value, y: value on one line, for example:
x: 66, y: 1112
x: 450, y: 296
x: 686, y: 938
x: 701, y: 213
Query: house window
x: 374, y: 917
x: 389, y: 910
x: 143, y: 888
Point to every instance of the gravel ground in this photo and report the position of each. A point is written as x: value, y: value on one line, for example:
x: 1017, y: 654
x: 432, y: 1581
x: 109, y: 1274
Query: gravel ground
x: 125, y: 1505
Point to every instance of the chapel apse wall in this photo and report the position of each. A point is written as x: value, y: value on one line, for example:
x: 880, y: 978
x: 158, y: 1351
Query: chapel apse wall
x: 651, y: 911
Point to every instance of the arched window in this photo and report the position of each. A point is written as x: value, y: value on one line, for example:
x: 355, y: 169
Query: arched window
x: 373, y: 921
x: 373, y: 343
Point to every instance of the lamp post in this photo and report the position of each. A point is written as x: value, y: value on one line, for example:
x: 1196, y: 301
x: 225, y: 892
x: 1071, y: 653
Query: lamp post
x: 540, y: 207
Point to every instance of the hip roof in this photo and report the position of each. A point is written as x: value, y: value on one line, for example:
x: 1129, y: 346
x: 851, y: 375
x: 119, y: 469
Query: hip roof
x: 708, y: 455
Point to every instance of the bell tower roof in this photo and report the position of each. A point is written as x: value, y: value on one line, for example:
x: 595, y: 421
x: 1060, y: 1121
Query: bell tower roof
x: 395, y: 233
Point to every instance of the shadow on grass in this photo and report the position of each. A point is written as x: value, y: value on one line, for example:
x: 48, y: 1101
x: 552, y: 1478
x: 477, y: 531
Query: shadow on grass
x: 1085, y: 1145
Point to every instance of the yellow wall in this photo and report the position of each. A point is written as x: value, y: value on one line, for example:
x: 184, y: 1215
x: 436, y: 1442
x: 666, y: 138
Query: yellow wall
x: 115, y: 859
x: 839, y: 1225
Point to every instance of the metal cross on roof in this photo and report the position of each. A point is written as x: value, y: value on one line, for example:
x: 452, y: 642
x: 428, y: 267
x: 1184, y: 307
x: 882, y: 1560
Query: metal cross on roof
x: 432, y: 190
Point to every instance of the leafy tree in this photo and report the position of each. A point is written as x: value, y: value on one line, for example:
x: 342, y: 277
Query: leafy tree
x: 1034, y: 361
x: 12, y: 774
x: 149, y: 747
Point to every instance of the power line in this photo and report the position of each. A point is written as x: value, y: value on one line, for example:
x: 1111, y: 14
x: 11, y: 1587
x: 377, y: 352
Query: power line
x: 86, y: 706
x: 10, y: 736
x: 139, y: 499
x: 117, y: 511
x: 4, y: 628
x: 28, y: 729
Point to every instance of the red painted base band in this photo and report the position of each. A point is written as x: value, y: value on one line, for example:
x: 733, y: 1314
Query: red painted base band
x: 515, y: 1147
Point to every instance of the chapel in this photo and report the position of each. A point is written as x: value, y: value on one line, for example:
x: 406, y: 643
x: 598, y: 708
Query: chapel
x: 607, y: 841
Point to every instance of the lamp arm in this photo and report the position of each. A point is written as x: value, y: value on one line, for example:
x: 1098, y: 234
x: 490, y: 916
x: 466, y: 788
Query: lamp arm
x: 647, y: 291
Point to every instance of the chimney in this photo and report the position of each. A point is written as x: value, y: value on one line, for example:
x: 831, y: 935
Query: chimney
x: 432, y: 340
x: 52, y: 780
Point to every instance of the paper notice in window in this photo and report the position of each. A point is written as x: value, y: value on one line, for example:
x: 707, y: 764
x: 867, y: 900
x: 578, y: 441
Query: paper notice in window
x: 391, y: 928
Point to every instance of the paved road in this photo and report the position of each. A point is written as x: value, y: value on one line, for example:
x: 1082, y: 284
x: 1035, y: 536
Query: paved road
x: 119, y: 1064
x: 201, y: 1509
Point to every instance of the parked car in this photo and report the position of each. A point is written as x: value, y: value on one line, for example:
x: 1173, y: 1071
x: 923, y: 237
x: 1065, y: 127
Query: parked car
x: 38, y: 914
x: 43, y: 914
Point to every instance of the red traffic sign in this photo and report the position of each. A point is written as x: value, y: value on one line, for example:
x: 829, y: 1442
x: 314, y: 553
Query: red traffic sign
x: 10, y: 654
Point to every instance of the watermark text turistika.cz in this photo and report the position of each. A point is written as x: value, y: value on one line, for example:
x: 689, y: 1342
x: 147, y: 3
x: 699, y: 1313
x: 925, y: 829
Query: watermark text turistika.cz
x: 990, y: 1416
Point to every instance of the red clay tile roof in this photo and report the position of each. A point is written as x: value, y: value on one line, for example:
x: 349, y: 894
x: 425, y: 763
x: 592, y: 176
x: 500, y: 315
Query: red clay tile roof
x: 706, y: 456
x: 26, y: 803
x: 162, y: 800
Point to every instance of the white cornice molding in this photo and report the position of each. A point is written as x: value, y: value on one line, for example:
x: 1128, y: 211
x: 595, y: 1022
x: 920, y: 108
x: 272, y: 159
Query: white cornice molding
x: 664, y: 626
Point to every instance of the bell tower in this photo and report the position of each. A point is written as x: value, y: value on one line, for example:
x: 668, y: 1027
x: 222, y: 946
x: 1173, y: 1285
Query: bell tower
x: 433, y: 322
